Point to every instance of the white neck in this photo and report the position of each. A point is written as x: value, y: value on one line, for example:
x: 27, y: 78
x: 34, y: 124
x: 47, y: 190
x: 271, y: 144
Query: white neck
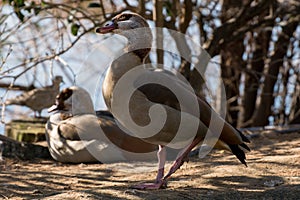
x: 138, y: 47
x: 139, y: 41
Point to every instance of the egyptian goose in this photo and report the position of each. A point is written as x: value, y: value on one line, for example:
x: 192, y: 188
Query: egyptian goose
x: 76, y: 135
x: 148, y: 98
x: 39, y: 98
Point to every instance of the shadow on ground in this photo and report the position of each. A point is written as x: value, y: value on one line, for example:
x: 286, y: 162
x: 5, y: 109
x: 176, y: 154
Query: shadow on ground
x: 272, y: 173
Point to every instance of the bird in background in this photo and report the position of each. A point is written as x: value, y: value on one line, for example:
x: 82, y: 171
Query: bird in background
x: 75, y: 133
x: 38, y: 98
x: 147, y: 96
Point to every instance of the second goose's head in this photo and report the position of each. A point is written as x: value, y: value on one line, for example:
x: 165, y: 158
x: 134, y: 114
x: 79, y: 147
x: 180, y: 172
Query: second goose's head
x: 73, y: 100
x: 135, y: 28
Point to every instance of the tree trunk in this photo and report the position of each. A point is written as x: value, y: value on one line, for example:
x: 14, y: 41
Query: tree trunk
x: 294, y: 117
x: 158, y: 18
x: 231, y: 61
x: 252, y: 81
x: 267, y: 97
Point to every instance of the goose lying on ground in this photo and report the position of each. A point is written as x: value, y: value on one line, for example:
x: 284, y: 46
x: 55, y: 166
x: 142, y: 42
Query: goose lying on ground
x: 39, y: 98
x: 150, y: 95
x: 76, y: 135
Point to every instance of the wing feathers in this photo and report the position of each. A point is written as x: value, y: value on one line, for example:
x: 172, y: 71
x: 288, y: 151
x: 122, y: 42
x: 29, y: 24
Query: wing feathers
x: 240, y: 154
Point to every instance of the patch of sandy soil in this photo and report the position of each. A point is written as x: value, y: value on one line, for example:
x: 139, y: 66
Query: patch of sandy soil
x: 273, y: 172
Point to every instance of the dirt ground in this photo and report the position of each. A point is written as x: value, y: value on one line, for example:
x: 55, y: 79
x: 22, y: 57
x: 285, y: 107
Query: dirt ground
x: 273, y: 172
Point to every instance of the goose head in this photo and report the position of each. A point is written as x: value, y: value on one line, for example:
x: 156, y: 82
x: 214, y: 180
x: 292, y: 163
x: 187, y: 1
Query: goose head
x: 73, y: 100
x: 135, y: 28
x: 57, y: 80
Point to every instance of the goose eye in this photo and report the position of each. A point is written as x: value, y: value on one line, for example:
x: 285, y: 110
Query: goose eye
x: 108, y: 24
x: 65, y: 94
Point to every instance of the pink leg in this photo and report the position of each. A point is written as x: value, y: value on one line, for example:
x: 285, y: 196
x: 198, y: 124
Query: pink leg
x: 159, y: 183
x: 181, y: 158
x: 161, y: 156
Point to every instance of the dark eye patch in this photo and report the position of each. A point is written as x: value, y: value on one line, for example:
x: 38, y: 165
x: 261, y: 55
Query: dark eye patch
x: 65, y: 94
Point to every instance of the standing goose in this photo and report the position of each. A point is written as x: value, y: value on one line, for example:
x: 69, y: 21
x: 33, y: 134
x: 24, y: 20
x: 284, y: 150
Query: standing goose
x: 39, y: 98
x: 147, y: 96
x: 75, y: 134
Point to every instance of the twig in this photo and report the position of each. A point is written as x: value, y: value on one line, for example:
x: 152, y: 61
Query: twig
x: 5, y: 197
x: 2, y: 114
x: 102, y: 9
x: 37, y: 61
x: 65, y: 64
x: 3, y: 60
x: 16, y: 87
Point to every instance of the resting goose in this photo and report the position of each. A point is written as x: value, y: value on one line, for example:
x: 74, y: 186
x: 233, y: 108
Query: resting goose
x: 76, y: 135
x: 150, y: 97
x: 39, y: 98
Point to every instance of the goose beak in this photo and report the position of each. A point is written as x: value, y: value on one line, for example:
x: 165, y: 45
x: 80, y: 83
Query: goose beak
x: 53, y: 108
x: 107, y: 28
x: 57, y: 106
